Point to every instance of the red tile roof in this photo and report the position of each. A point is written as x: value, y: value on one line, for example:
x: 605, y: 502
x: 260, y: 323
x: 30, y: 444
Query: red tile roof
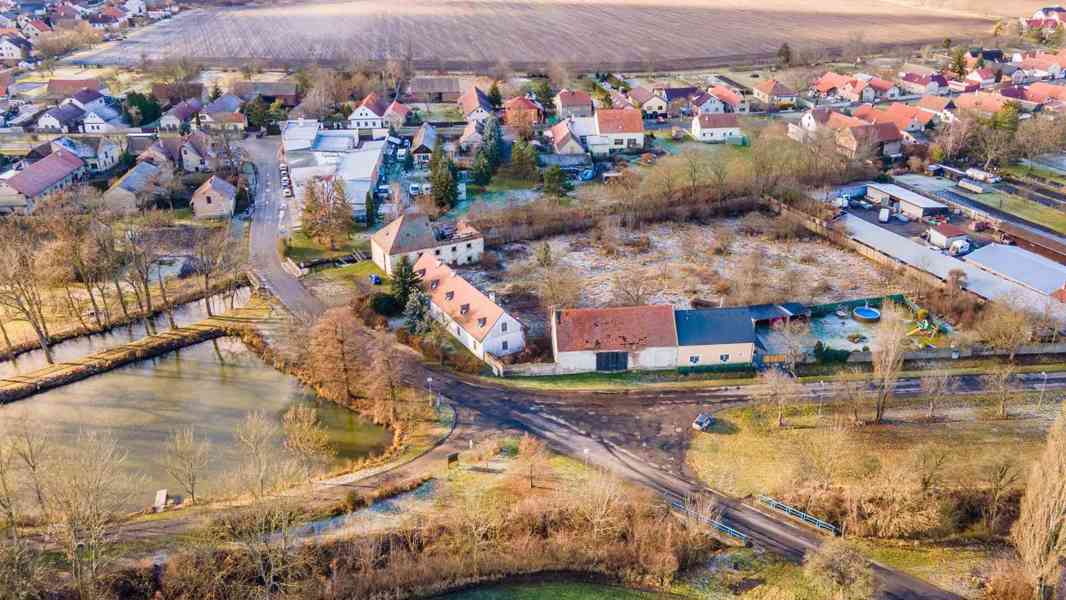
x: 373, y: 102
x: 465, y: 304
x: 520, y: 103
x: 615, y: 329
x: 43, y: 174
x: 69, y: 87
x: 618, y: 120
x: 949, y: 230
x: 726, y: 95
x: 718, y: 120
x: 573, y: 98
x: 396, y: 108
x: 774, y: 88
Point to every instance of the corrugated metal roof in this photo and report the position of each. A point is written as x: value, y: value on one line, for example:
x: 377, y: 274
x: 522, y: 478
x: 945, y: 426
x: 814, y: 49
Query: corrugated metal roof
x: 1024, y: 267
x: 707, y: 326
x: 905, y: 195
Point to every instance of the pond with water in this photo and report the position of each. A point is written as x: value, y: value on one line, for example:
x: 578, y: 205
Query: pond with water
x: 75, y: 348
x: 212, y: 386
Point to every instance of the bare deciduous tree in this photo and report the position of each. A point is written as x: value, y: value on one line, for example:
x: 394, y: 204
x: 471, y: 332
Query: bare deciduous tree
x: 999, y: 477
x: 306, y: 439
x: 185, y: 459
x: 937, y: 387
x: 333, y: 347
x: 256, y: 438
x: 887, y: 355
x: 1039, y: 535
x: 21, y: 286
x: 839, y: 571
x: 1002, y: 385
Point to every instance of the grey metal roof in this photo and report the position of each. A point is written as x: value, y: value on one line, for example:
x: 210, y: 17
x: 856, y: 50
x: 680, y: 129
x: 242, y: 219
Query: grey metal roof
x: 1024, y: 267
x: 905, y: 195
x: 705, y: 326
x: 139, y: 177
x: 984, y: 283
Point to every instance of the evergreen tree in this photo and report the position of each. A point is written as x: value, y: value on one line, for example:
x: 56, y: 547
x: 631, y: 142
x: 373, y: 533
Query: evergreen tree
x: 445, y: 185
x: 784, y: 54
x: 481, y: 173
x: 1007, y: 118
x: 495, y: 97
x: 958, y: 62
x: 404, y: 282
x: 542, y: 91
x: 216, y: 92
x: 416, y: 313
x: 492, y: 142
x: 371, y: 209
x: 524, y: 161
x: 556, y: 182
x: 256, y: 113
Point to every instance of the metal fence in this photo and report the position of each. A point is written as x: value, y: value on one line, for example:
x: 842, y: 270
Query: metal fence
x: 717, y: 525
x: 799, y: 514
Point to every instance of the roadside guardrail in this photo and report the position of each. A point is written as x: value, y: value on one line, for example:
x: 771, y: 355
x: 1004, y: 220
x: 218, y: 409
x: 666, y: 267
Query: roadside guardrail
x: 799, y: 514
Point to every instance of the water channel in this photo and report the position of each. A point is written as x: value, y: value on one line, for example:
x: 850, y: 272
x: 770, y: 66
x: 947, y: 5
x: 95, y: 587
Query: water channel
x: 212, y: 386
x: 185, y: 314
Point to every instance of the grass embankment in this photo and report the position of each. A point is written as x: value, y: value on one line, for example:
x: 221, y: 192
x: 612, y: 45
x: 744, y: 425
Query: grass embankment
x: 628, y: 380
x: 301, y: 248
x: 1025, y: 209
x: 1025, y: 171
x: 351, y: 275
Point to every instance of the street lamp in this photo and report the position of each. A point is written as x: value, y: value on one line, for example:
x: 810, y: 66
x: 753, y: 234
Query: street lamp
x: 429, y: 388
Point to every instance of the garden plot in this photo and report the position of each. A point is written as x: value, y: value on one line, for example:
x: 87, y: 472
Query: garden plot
x: 683, y: 265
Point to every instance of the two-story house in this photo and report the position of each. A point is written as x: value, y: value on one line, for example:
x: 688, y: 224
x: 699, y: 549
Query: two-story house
x: 471, y: 317
x: 412, y: 236
x: 22, y: 191
x: 369, y: 115
x: 616, y: 130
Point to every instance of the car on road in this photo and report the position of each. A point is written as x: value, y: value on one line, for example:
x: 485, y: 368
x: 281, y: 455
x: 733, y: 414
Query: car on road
x: 703, y: 422
x: 288, y: 193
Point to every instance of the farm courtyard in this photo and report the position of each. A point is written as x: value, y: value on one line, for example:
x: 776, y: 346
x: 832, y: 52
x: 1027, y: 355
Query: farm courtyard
x: 626, y: 34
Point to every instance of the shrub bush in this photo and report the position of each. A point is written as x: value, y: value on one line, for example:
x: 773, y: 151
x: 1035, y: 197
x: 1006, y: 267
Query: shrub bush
x: 385, y: 304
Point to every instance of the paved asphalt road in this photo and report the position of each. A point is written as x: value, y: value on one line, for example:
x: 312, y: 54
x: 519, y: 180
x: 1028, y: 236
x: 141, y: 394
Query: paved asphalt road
x: 531, y: 411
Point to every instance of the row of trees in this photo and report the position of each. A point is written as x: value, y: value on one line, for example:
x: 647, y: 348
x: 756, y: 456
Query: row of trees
x: 999, y: 139
x: 74, y: 260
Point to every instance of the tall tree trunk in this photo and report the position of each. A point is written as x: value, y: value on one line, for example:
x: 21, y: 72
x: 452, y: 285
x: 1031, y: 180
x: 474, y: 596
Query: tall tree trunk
x: 166, y: 302
x: 121, y: 298
x: 74, y: 309
x: 92, y: 300
x: 207, y: 294
x: 105, y: 306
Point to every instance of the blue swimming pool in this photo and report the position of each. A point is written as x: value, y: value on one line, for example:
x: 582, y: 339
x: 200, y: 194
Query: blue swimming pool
x: 866, y: 314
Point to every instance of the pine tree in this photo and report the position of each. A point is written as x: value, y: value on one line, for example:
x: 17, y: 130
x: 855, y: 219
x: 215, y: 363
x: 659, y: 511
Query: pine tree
x: 445, y: 186
x: 495, y: 97
x: 491, y: 142
x: 542, y: 91
x: 371, y: 209
x: 958, y: 62
x: 555, y: 182
x: 524, y: 161
x: 416, y: 313
x: 404, y: 281
x: 481, y: 173
x: 784, y: 54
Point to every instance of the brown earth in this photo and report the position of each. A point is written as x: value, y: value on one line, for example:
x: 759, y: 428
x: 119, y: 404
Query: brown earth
x: 625, y: 34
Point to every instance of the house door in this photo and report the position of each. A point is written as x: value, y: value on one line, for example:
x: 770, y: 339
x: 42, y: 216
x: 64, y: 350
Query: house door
x: 612, y: 361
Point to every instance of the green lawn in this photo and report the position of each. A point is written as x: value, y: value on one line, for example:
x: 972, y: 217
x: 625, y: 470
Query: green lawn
x: 944, y: 566
x: 553, y: 591
x: 1023, y: 170
x: 500, y: 183
x: 302, y: 248
x: 359, y: 272
x: 1025, y: 209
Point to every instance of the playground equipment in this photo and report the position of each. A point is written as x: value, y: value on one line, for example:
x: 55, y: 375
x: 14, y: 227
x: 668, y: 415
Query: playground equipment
x: 924, y: 327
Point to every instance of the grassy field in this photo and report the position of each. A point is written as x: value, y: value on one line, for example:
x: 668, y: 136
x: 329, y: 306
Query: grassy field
x: 451, y: 33
x: 1023, y: 170
x: 302, y: 248
x: 738, y: 457
x: 1025, y: 209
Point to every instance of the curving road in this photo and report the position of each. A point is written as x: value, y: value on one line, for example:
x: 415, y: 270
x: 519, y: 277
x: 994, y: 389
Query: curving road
x: 532, y: 411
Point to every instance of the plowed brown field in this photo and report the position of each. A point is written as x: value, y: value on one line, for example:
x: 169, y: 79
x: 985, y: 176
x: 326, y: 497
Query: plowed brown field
x: 591, y: 33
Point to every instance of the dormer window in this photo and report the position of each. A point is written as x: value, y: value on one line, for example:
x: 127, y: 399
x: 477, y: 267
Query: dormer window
x: 464, y: 309
x: 482, y: 321
x: 449, y: 296
x: 421, y: 272
x: 433, y: 284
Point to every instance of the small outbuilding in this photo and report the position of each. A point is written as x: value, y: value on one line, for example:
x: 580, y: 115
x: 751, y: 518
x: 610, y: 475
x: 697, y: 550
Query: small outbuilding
x: 946, y: 234
x: 614, y: 339
x: 215, y: 198
x: 911, y: 204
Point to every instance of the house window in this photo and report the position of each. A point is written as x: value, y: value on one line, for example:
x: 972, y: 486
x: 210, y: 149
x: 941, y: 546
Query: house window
x: 481, y: 322
x: 723, y: 357
x: 469, y: 245
x: 504, y: 345
x: 433, y: 284
x: 694, y: 359
x: 465, y: 308
x: 421, y: 272
x: 619, y: 142
x: 449, y: 295
x: 208, y: 199
x: 503, y: 326
x: 437, y: 252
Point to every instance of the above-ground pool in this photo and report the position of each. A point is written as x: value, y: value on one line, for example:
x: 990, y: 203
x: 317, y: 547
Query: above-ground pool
x: 866, y: 314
